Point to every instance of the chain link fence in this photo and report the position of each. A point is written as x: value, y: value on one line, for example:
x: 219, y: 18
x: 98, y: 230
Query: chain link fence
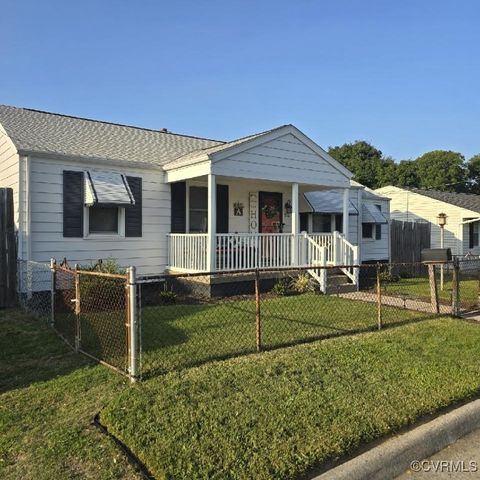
x: 152, y: 325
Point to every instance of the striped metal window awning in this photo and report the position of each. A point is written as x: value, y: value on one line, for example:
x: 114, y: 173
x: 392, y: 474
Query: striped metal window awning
x: 107, y: 188
x: 328, y: 202
x: 372, y: 214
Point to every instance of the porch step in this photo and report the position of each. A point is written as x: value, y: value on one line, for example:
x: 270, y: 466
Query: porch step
x: 337, y: 279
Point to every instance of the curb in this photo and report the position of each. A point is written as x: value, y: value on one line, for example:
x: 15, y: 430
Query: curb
x: 393, y: 457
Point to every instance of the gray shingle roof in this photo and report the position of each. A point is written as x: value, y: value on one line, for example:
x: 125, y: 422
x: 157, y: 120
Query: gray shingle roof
x: 36, y: 131
x: 468, y: 201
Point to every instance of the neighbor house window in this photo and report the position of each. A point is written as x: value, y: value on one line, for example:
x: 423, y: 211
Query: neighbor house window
x: 103, y: 220
x: 367, y: 230
x: 198, y: 209
x: 321, y: 223
x: 475, y: 234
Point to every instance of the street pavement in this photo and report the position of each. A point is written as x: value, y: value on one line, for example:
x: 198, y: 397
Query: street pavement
x: 460, y: 460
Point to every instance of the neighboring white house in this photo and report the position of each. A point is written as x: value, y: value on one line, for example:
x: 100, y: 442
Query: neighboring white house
x: 462, y: 210
x: 87, y: 189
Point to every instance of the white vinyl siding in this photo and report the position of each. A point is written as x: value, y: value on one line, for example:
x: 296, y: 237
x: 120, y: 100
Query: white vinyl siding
x: 372, y: 249
x: 412, y: 207
x: 284, y: 159
x: 9, y: 169
x: 148, y: 253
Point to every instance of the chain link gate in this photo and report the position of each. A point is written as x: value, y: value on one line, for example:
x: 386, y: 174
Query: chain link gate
x: 96, y: 314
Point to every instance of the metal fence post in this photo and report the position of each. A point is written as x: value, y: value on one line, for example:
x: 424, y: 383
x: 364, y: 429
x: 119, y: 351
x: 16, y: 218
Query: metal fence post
x: 258, y: 329
x: 456, y: 289
x: 77, y: 308
x: 53, y: 274
x: 379, y: 298
x: 133, y: 324
x: 433, y: 288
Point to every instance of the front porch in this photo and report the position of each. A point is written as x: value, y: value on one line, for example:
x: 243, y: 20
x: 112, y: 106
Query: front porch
x: 189, y: 252
x: 238, y: 207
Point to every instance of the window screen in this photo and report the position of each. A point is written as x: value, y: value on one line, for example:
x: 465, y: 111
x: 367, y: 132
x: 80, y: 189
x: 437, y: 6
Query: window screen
x: 322, y: 223
x: 367, y: 230
x: 103, y: 219
x: 198, y: 208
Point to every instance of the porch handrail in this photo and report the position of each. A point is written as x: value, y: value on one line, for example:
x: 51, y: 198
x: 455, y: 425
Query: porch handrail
x: 188, y: 251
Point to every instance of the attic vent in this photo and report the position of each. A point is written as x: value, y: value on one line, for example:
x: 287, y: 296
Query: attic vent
x: 164, y: 130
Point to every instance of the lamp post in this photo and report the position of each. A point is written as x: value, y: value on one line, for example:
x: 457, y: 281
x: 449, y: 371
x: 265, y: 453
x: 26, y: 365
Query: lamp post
x: 442, y: 221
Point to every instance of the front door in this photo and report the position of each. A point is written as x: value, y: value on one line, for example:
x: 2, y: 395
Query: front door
x: 270, y: 212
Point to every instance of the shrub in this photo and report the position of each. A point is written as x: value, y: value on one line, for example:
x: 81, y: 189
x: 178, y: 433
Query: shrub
x: 168, y: 297
x: 102, y: 293
x: 280, y: 288
x: 302, y: 284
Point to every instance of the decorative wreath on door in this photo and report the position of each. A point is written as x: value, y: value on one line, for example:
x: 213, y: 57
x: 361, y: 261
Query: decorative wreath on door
x: 270, y: 211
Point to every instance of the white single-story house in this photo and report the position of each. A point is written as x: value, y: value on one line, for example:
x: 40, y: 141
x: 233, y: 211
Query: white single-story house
x: 461, y: 233
x: 162, y: 201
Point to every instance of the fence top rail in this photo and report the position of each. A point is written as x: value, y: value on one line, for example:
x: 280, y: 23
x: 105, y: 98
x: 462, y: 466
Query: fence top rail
x: 93, y: 273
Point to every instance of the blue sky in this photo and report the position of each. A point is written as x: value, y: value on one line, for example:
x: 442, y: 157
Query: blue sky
x: 403, y: 75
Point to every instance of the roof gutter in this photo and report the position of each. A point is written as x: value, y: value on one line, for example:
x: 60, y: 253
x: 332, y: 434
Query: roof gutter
x: 472, y: 220
x: 90, y: 160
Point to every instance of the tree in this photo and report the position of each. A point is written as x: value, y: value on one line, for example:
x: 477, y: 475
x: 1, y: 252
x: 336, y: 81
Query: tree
x: 387, y: 174
x: 362, y: 159
x: 473, y: 169
x: 407, y: 175
x: 442, y: 170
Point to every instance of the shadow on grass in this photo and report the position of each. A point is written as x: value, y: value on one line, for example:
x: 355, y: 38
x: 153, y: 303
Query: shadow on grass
x: 31, y: 352
x: 208, y: 353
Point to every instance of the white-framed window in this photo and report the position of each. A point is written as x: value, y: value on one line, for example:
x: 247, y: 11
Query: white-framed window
x: 368, y: 230
x: 198, y: 209
x: 322, y: 223
x: 104, y: 221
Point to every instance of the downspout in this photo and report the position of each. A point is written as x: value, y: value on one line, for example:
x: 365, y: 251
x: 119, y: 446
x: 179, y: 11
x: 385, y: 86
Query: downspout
x: 28, y: 205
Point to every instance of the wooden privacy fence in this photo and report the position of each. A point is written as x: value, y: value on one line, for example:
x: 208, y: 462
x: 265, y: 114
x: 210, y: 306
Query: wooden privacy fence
x: 408, y: 239
x: 8, y: 251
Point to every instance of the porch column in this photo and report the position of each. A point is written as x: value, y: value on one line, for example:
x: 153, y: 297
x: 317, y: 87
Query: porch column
x: 295, y: 224
x: 346, y: 195
x: 212, y: 223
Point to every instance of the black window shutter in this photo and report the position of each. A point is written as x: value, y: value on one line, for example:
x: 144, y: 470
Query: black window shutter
x: 178, y: 210
x: 73, y: 202
x: 471, y: 235
x: 133, y: 214
x: 222, y: 208
x: 378, y: 231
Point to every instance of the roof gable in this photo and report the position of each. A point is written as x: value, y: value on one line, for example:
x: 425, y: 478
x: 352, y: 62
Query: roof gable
x: 466, y: 201
x: 229, y: 150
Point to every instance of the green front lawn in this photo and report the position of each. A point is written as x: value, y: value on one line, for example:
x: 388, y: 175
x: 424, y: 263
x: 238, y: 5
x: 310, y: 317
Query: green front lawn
x: 48, y: 397
x: 419, y: 287
x: 281, y: 413
x: 181, y: 335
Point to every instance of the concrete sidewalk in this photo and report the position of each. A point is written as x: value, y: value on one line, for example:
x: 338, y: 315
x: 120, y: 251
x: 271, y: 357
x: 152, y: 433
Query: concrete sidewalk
x: 405, y: 302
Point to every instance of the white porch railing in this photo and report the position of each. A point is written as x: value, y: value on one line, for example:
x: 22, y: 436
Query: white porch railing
x: 244, y: 251
x: 187, y: 252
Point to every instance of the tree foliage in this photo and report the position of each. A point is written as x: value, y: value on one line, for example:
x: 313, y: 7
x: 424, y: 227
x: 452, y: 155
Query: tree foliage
x: 442, y: 170
x: 438, y: 169
x: 362, y: 159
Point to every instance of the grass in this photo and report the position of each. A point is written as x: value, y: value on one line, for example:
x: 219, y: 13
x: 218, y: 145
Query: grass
x: 176, y: 336
x: 282, y: 413
x: 419, y: 287
x: 48, y: 396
